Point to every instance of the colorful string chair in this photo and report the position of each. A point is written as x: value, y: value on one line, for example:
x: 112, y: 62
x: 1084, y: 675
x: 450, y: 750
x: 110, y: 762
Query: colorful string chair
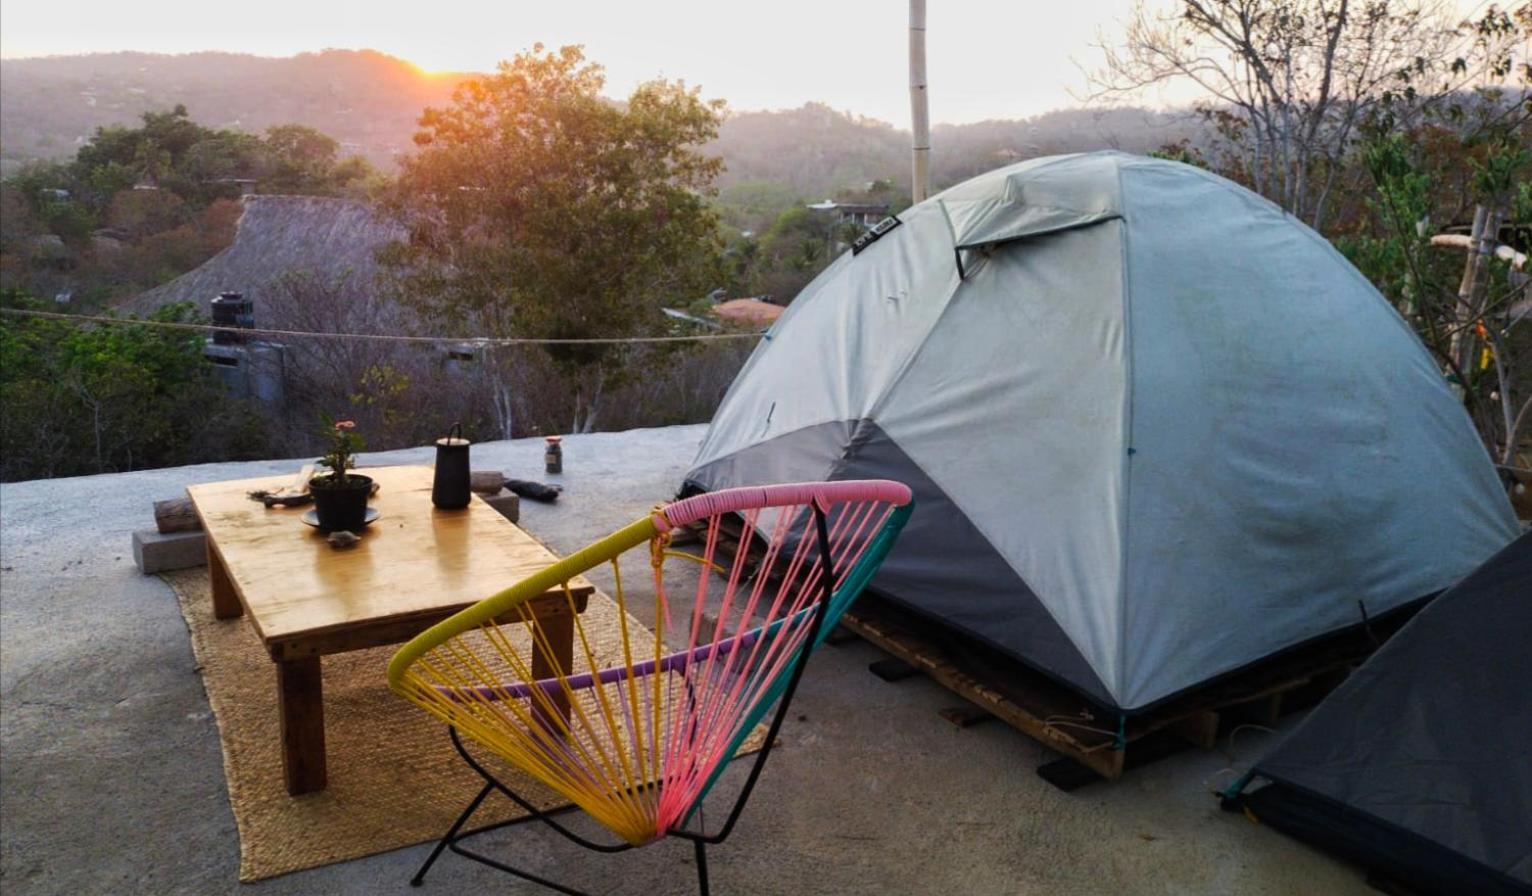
x: 637, y: 743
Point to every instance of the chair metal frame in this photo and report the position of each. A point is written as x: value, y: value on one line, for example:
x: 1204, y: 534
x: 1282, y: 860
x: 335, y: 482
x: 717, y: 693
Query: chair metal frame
x: 455, y: 835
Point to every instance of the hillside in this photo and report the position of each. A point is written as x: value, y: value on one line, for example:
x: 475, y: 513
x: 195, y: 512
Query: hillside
x: 369, y: 101
x: 815, y: 150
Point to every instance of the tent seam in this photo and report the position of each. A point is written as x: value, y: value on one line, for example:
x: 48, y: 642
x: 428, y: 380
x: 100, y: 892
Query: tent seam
x: 906, y: 363
x: 1127, y: 446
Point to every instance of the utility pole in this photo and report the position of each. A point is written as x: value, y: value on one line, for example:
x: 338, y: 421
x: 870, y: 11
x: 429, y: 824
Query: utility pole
x: 920, y: 117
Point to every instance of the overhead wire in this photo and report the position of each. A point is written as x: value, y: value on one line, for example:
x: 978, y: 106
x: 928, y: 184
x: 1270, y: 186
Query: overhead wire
x: 479, y: 341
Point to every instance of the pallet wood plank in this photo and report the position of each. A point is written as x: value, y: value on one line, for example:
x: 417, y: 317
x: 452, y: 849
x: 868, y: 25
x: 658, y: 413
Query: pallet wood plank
x: 1064, y: 722
x: 1089, y: 738
x: 1105, y: 762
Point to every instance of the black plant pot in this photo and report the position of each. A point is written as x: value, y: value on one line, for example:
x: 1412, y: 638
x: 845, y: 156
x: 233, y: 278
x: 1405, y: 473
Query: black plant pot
x: 341, y: 506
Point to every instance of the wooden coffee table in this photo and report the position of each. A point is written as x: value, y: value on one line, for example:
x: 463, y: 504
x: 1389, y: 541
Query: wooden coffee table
x: 415, y: 566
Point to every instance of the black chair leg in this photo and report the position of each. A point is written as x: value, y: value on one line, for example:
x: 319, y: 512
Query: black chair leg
x: 701, y: 849
x: 446, y: 839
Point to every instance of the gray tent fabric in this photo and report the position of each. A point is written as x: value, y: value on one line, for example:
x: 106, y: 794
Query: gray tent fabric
x: 996, y: 606
x: 1421, y: 761
x: 1169, y: 430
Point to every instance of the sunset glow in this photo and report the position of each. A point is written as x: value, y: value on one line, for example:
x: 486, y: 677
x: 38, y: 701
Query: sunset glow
x: 987, y: 60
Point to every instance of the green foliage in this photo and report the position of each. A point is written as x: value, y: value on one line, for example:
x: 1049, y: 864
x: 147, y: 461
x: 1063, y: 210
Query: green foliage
x: 800, y: 238
x: 536, y: 207
x: 753, y: 205
x: 1412, y: 174
x: 341, y: 446
x: 110, y: 398
x: 300, y: 159
x: 153, y: 188
x: 1184, y: 152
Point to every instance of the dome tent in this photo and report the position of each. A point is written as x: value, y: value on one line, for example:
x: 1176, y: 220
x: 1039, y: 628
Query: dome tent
x: 1417, y: 775
x: 1156, y: 428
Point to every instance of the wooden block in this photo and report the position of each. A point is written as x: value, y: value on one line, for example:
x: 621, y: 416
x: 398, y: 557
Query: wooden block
x: 892, y: 669
x: 838, y: 635
x: 965, y: 716
x: 176, y: 515
x: 1198, y: 729
x: 155, y: 552
x: 505, y: 501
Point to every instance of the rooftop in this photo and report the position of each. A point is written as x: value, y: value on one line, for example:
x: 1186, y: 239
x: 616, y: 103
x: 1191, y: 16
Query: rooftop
x: 114, y: 779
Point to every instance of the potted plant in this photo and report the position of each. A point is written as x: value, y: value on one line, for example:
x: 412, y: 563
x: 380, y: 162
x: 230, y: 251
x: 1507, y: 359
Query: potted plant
x: 340, y: 497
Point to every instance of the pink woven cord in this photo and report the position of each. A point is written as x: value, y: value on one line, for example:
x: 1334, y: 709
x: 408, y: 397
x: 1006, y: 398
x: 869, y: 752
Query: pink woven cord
x: 684, y: 765
x: 718, y: 724
x: 702, y: 720
x: 731, y: 500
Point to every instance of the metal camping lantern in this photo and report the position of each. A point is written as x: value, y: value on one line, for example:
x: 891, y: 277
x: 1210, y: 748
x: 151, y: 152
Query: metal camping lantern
x: 449, y: 490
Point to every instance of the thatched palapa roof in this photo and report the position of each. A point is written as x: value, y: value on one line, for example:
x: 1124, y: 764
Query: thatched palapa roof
x: 278, y: 237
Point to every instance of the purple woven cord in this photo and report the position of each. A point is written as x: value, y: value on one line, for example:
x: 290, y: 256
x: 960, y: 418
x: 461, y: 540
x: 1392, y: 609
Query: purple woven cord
x: 585, y: 680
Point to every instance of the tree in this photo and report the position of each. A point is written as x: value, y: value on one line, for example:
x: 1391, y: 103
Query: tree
x: 538, y: 208
x: 300, y: 159
x: 101, y: 399
x: 1289, y: 84
x: 140, y: 213
x: 1464, y: 307
x: 1388, y: 126
x: 154, y: 186
x: 796, y: 248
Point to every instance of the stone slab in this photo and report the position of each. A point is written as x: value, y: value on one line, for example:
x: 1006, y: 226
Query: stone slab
x: 507, y: 502
x: 156, y: 552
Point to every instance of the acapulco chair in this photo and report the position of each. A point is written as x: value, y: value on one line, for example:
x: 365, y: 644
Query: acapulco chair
x: 638, y: 743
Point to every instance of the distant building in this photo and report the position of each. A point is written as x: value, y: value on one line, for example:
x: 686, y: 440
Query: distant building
x: 279, y: 237
x: 751, y: 312
x: 861, y: 214
x: 246, y: 185
x: 687, y: 317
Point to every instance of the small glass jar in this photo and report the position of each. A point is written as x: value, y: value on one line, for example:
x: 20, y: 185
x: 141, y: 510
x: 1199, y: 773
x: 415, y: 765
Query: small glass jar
x: 553, y: 454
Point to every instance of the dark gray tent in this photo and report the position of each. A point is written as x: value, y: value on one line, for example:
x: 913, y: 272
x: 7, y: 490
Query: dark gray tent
x: 1419, y: 767
x: 1158, y: 430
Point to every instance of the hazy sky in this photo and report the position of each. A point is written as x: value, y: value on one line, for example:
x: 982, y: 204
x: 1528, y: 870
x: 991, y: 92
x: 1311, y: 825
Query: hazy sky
x: 997, y: 59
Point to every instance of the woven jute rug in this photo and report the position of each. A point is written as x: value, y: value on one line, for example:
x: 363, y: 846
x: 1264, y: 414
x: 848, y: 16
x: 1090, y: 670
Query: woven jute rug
x: 394, y: 778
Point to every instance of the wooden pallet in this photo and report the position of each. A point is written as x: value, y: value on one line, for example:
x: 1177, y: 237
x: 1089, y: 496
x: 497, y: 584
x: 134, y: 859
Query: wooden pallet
x: 1088, y: 737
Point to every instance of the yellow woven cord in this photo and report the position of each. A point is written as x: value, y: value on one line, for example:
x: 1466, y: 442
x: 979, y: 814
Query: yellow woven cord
x: 460, y: 671
x: 587, y: 758
x: 559, y: 574
x: 598, y: 772
x: 637, y: 755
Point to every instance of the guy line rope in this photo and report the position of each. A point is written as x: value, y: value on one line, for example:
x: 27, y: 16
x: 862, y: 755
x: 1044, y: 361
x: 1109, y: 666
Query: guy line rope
x: 379, y: 337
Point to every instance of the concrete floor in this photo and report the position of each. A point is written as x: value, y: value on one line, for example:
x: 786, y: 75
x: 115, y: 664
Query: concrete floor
x: 111, y: 779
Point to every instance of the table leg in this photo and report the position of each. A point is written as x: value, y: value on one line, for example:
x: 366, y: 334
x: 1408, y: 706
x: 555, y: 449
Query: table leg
x: 300, y: 702
x: 557, y: 627
x: 226, y: 603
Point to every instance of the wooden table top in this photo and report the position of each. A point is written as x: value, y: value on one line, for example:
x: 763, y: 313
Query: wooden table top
x: 414, y: 565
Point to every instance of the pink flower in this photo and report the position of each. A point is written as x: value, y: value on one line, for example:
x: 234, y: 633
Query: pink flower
x: 345, y: 425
